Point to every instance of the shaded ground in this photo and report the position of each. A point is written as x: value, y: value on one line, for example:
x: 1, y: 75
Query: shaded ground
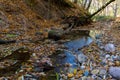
x: 29, y: 29
x: 109, y: 30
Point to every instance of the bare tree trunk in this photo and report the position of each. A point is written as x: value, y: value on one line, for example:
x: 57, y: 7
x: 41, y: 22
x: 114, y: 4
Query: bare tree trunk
x: 90, y: 1
x: 115, y: 9
x: 101, y: 8
x: 84, y: 5
x: 103, y: 12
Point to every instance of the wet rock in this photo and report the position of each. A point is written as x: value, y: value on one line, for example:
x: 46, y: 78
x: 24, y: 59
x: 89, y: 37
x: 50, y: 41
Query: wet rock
x: 109, y: 47
x: 98, y: 36
x: 86, y: 73
x: 55, y: 34
x: 72, y: 78
x: 94, y: 77
x: 119, y: 58
x: 103, y: 63
x: 84, y: 78
x: 95, y: 71
x: 82, y: 67
x: 99, y: 43
x: 30, y: 77
x: 102, y: 71
x: 107, y: 56
x: 102, y: 74
x: 82, y: 58
x: 115, y: 72
x: 114, y: 57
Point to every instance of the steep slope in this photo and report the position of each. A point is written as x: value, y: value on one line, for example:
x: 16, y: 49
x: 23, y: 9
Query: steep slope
x: 26, y: 17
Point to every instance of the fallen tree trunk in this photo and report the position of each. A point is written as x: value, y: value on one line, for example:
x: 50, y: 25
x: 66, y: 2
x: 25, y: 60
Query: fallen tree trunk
x: 59, y: 10
x: 7, y: 41
x: 74, y: 21
x: 104, y: 6
x: 61, y: 34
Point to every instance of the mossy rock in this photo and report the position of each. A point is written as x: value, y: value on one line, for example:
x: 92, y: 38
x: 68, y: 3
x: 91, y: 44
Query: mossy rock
x: 55, y: 34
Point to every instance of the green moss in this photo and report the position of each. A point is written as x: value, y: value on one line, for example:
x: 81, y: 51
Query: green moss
x: 31, y: 3
x: 102, y: 18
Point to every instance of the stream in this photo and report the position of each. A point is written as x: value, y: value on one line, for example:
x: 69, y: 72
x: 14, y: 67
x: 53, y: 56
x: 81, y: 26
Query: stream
x: 69, y: 56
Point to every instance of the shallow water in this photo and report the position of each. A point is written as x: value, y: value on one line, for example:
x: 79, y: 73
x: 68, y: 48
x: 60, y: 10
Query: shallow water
x: 68, y: 56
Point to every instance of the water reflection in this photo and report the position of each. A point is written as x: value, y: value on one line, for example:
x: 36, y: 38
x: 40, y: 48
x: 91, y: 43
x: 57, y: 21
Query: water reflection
x: 68, y: 56
x: 79, y: 43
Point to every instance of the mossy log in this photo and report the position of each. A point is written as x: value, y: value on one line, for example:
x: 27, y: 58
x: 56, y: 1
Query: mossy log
x: 55, y: 34
x: 61, y: 34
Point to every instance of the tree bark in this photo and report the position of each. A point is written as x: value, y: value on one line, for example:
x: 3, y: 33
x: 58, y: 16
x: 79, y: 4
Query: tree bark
x: 85, y: 3
x: 75, y: 1
x: 115, y: 9
x: 89, y: 5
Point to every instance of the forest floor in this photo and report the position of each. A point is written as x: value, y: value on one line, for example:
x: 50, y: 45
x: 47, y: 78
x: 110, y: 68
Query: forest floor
x: 43, y: 48
x: 18, y: 22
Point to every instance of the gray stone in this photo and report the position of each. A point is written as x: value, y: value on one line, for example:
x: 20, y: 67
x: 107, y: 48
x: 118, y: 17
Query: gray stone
x: 95, y: 71
x: 109, y: 47
x: 107, y: 56
x: 115, y: 72
x: 72, y: 78
x: 102, y: 71
x: 82, y: 58
x: 84, y: 78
